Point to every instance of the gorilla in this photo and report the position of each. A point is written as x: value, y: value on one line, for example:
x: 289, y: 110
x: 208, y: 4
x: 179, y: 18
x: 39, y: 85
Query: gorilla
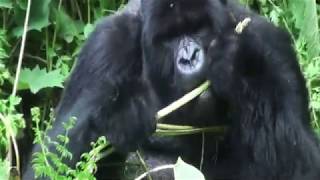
x: 146, y: 56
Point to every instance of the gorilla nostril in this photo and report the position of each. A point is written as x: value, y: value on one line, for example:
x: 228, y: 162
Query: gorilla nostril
x: 184, y: 61
x: 195, y: 54
x: 190, y: 58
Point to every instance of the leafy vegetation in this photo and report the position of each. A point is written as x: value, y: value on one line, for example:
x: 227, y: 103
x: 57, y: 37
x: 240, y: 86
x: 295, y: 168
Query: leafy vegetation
x: 57, y: 169
x: 55, y: 34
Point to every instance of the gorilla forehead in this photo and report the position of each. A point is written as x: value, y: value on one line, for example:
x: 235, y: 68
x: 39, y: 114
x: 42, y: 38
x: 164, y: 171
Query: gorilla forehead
x: 171, y: 18
x: 160, y: 6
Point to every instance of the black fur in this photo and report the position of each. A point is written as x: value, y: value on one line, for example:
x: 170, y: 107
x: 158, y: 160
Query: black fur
x: 126, y: 72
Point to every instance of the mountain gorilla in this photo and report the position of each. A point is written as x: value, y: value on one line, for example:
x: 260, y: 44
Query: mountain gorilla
x: 145, y: 57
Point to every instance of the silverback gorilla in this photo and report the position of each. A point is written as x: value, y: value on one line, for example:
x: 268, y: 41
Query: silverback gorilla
x: 154, y: 51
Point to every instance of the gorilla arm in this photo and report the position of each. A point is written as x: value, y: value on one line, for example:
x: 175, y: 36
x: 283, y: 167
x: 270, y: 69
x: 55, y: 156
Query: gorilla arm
x: 106, y: 92
x: 258, y: 75
x: 106, y: 86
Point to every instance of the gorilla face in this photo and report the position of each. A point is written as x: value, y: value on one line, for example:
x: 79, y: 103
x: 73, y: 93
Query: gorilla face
x: 175, y: 39
x: 176, y: 36
x: 189, y: 62
x: 180, y: 62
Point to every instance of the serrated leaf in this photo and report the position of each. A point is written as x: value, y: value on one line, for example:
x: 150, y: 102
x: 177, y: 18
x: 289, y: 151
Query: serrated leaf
x: 184, y: 171
x: 37, y: 79
x: 39, y: 16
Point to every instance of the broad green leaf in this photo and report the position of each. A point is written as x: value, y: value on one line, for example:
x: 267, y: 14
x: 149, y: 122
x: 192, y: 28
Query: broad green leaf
x: 306, y: 19
x: 275, y: 16
x: 39, y: 16
x: 184, y: 171
x: 4, y: 169
x: 88, y: 29
x: 6, y: 4
x: 67, y: 27
x: 37, y: 79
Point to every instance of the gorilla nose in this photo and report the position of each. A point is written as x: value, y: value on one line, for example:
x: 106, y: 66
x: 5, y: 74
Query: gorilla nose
x: 190, y: 56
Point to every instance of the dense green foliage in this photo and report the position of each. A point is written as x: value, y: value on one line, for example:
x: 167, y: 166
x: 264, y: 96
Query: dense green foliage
x: 56, y: 32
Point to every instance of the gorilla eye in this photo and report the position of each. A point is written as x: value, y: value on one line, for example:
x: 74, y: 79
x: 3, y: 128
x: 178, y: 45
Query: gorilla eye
x: 171, y: 5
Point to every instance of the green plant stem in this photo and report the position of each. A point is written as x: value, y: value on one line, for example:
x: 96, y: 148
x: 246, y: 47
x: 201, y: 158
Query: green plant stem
x: 89, y: 14
x: 182, y: 101
x: 218, y: 130
x: 65, y: 143
x: 39, y: 59
x: 54, y: 39
x: 4, y: 19
x: 41, y: 143
x: 23, y: 43
x: 47, y: 48
x: 202, y: 150
x: 16, y: 81
x: 78, y: 10
x: 173, y: 127
x: 12, y: 140
x: 143, y: 164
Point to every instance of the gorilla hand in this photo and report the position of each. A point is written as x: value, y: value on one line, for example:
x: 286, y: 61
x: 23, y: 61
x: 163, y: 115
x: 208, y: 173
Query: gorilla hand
x: 223, y: 54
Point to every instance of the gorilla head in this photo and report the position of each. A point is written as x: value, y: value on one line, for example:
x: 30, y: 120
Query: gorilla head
x: 176, y: 36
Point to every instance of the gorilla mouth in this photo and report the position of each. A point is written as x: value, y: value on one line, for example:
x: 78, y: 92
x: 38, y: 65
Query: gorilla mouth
x: 190, y: 56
